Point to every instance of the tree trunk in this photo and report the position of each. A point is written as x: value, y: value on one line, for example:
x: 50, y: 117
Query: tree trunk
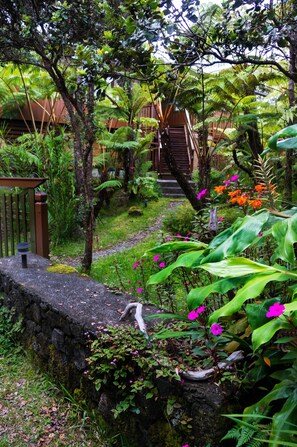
x: 290, y: 152
x: 83, y: 156
x: 176, y: 172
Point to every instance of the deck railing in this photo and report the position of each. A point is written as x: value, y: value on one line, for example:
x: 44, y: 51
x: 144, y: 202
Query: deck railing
x: 23, y: 216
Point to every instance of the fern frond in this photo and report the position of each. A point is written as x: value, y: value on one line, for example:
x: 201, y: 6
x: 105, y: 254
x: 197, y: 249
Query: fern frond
x: 265, y: 175
x: 109, y: 184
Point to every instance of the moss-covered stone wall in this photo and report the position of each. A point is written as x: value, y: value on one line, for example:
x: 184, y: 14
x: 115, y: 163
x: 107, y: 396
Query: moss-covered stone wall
x: 61, y: 312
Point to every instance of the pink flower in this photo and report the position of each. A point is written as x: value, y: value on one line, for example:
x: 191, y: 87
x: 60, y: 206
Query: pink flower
x: 201, y: 193
x: 139, y: 290
x: 162, y: 265
x: 128, y: 280
x: 178, y: 235
x: 156, y: 258
x: 227, y: 182
x: 135, y: 265
x: 200, y: 309
x: 216, y: 329
x: 234, y: 178
x: 195, y: 313
x: 220, y: 219
x: 186, y: 445
x: 275, y: 310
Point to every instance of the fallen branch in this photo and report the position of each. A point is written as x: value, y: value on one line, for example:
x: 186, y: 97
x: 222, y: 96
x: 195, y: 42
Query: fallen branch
x: 137, y: 316
x: 205, y: 374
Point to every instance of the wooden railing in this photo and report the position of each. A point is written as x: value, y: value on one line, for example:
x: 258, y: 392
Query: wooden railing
x: 23, y: 216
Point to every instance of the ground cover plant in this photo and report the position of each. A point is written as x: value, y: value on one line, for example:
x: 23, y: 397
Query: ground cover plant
x: 34, y: 411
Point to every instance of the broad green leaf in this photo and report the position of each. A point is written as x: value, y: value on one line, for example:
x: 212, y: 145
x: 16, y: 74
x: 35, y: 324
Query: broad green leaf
x: 285, y: 416
x: 279, y: 443
x: 285, y: 233
x: 237, y: 267
x: 251, y: 289
x: 288, y: 132
x: 264, y: 333
x: 240, y: 239
x: 282, y: 419
x: 174, y: 334
x: 186, y: 260
x: 166, y: 317
x: 289, y: 143
x: 256, y: 313
x: 198, y: 295
x: 177, y: 246
x: 280, y: 391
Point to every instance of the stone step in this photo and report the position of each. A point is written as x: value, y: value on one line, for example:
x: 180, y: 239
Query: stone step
x: 170, y: 188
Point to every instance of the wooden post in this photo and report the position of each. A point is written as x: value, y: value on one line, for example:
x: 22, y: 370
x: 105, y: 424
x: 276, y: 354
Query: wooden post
x: 41, y: 220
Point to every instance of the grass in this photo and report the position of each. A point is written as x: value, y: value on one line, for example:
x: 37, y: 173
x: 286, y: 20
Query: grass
x: 114, y: 225
x: 34, y: 412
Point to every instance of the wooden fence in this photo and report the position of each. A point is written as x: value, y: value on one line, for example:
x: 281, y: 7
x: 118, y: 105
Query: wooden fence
x: 23, y: 216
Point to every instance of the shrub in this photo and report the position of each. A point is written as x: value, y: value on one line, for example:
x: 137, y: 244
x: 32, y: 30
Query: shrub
x: 180, y: 220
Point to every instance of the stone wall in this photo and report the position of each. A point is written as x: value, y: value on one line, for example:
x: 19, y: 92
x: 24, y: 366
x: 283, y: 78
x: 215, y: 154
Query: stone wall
x: 61, y: 311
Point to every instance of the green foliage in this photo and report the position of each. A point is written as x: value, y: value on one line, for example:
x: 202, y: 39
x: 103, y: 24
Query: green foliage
x: 180, y: 220
x: 9, y: 329
x: 47, y: 156
x: 250, y: 279
x: 122, y: 356
x: 145, y: 188
x: 287, y: 137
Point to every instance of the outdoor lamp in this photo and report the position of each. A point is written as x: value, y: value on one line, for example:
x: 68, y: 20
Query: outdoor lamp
x: 23, y: 250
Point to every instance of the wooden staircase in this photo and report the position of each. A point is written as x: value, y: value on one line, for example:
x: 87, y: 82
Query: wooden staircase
x: 179, y: 145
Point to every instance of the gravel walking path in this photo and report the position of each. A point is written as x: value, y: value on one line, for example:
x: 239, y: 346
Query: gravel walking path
x: 125, y: 245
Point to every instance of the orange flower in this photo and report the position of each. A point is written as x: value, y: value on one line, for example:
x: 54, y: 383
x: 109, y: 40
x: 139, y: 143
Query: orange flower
x: 241, y: 200
x: 256, y: 203
x: 234, y: 193
x: 219, y: 189
x: 260, y: 187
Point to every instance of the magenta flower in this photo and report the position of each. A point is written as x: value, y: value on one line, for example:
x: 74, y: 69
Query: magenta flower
x: 178, y: 235
x: 220, y: 219
x: 216, y: 329
x: 201, y: 193
x: 195, y: 313
x: 275, y: 310
x: 128, y: 280
x: 234, y: 178
x: 200, y: 309
x: 156, y: 258
x: 135, y: 265
x: 227, y: 182
x: 139, y: 290
x: 186, y: 445
x: 162, y: 265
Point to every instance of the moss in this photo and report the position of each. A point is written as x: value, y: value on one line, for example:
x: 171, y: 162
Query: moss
x: 61, y: 268
x: 135, y: 211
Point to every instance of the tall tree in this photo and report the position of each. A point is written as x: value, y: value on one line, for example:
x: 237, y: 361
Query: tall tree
x: 80, y: 43
x: 254, y: 32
